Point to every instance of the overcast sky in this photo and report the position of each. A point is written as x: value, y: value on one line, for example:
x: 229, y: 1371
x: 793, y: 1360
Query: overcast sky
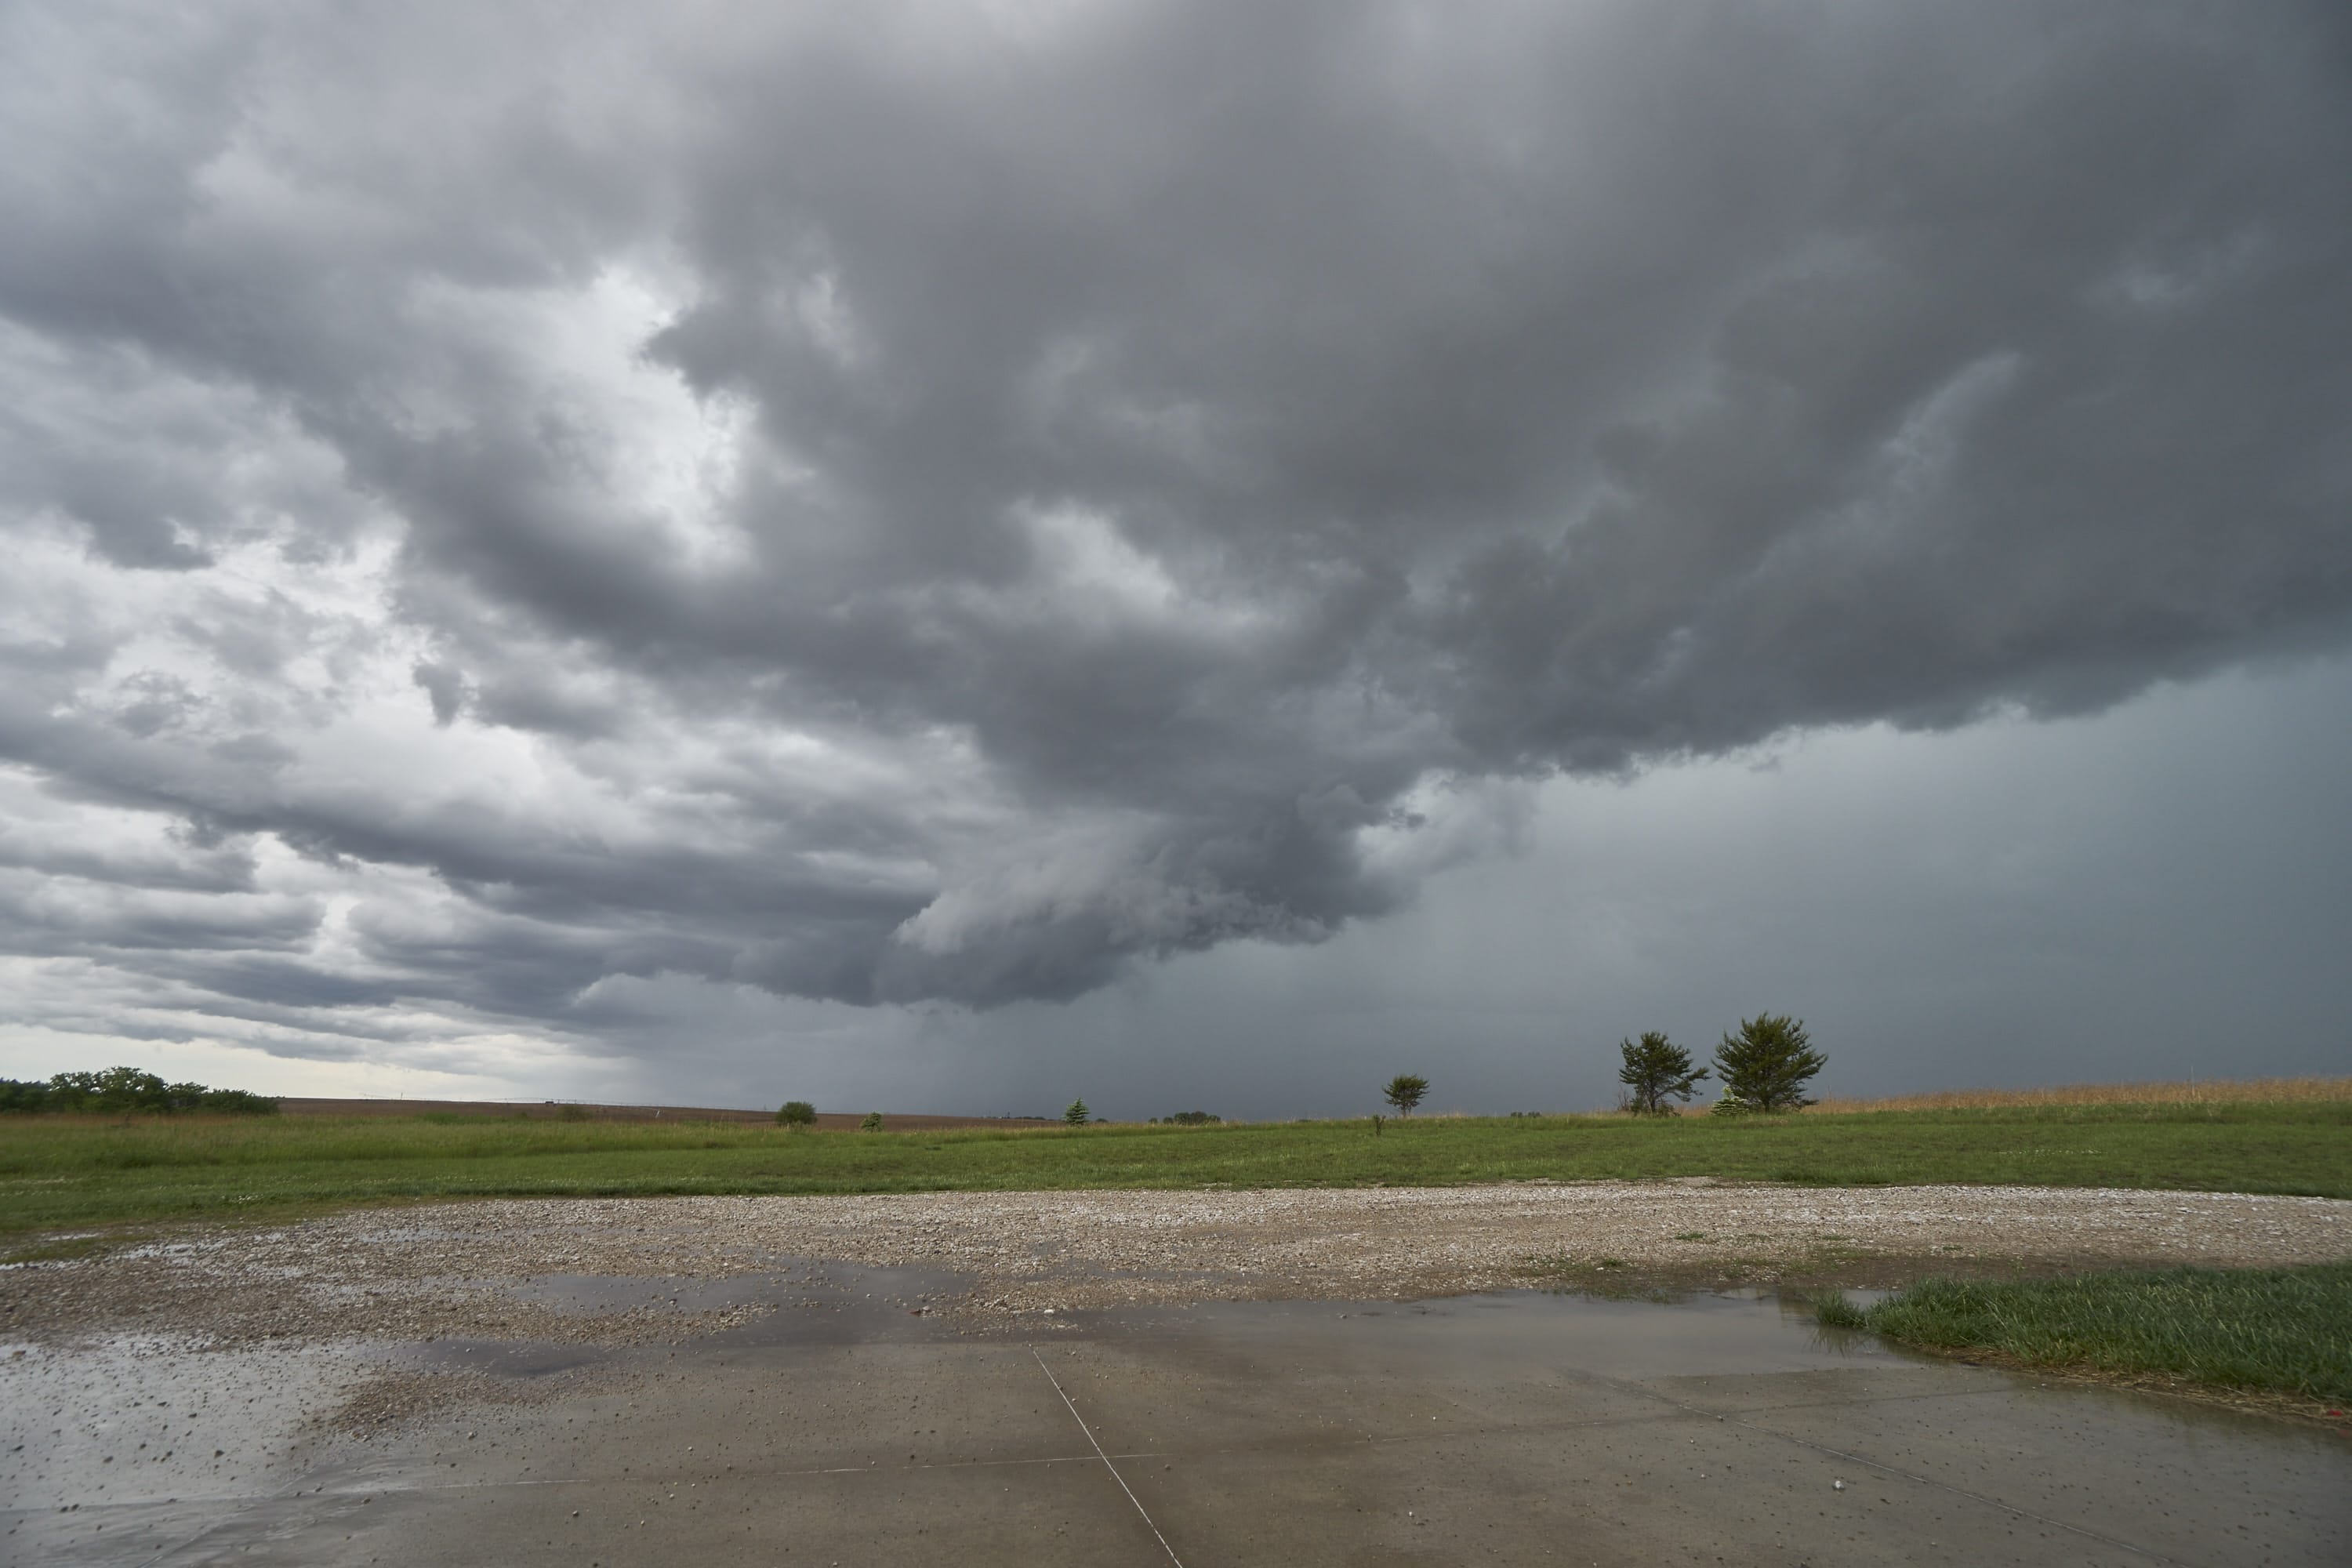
x: 944, y: 557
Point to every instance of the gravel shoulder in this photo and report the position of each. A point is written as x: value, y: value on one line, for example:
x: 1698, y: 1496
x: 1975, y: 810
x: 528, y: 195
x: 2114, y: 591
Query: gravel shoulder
x: 457, y: 1269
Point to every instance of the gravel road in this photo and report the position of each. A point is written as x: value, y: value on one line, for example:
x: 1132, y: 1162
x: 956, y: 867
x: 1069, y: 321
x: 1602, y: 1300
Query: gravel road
x: 462, y: 1269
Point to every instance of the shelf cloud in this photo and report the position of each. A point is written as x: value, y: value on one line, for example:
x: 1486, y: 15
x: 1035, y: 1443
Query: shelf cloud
x: 910, y: 502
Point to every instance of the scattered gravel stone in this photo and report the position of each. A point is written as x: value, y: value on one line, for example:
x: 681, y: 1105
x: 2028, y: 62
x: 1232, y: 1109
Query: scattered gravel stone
x: 457, y: 1269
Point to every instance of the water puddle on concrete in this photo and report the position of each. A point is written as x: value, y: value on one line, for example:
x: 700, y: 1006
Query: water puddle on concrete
x: 148, y: 1436
x: 842, y: 1415
x: 1742, y: 1332
x: 798, y: 1300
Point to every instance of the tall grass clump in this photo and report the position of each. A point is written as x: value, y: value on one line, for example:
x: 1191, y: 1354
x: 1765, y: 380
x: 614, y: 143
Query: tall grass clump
x: 1837, y: 1310
x: 2265, y: 1331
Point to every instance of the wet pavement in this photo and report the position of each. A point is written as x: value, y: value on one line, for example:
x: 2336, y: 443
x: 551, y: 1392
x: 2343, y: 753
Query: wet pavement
x: 855, y: 1424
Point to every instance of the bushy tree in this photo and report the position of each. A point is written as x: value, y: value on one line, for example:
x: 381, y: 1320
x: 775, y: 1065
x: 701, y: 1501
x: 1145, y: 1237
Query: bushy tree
x: 113, y: 1090
x: 873, y: 1123
x: 236, y: 1102
x: 121, y: 1089
x: 1656, y: 1071
x: 1405, y: 1090
x: 1077, y: 1115
x: 1766, y: 1065
x: 1193, y: 1119
x: 797, y: 1113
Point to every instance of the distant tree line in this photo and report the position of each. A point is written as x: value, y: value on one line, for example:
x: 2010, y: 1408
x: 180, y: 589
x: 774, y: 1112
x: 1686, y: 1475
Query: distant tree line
x: 125, y: 1089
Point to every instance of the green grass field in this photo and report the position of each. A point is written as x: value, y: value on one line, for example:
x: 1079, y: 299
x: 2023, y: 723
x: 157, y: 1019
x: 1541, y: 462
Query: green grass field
x: 2284, y: 1331
x: 65, y: 1172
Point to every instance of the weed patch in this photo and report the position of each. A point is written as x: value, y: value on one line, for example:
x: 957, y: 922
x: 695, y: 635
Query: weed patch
x: 2285, y: 1331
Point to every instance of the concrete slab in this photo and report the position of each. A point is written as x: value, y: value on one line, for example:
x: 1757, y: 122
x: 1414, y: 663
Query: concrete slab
x: 2212, y: 1486
x: 1511, y: 1428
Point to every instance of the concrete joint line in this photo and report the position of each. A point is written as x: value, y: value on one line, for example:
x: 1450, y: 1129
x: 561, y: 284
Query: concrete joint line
x: 1098, y: 1446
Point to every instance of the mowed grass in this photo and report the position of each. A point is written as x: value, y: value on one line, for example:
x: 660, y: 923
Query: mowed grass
x: 63, y: 1173
x: 2284, y: 1331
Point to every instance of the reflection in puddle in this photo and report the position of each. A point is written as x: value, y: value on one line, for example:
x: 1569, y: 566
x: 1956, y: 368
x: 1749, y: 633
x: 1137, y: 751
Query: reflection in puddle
x: 1699, y: 1336
x: 504, y: 1358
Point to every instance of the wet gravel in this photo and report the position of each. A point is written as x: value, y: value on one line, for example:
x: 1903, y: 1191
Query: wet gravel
x: 462, y: 1269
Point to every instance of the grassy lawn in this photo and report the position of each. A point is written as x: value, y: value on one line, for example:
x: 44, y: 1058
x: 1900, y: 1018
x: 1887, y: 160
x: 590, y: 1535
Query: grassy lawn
x: 61, y: 1172
x: 2284, y: 1331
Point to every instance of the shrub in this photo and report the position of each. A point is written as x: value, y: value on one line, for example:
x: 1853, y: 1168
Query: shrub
x: 1767, y: 1064
x: 238, y: 1102
x: 1656, y: 1071
x: 797, y: 1113
x: 873, y: 1123
x: 1077, y: 1115
x: 1404, y: 1091
x: 1193, y: 1119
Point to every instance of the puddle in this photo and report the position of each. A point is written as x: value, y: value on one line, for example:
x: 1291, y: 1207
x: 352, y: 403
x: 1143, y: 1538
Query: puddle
x: 522, y: 1359
x: 798, y: 1301
x: 141, y: 1420
x: 1231, y: 1413
x: 1701, y: 1335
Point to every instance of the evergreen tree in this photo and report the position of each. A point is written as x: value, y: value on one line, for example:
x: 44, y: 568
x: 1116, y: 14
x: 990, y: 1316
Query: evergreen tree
x: 1765, y: 1067
x: 1656, y: 1071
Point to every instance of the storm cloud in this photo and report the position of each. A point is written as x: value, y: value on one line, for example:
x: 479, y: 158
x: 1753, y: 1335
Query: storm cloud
x: 913, y: 502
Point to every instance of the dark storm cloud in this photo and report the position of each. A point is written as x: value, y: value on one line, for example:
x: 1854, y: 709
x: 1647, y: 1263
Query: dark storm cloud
x: 1164, y: 445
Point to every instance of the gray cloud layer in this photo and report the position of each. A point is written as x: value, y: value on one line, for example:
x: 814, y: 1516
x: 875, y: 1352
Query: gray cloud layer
x: 915, y: 503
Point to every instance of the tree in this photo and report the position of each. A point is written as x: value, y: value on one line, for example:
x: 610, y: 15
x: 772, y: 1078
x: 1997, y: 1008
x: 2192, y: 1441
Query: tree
x: 115, y: 1089
x: 1404, y: 1091
x: 1766, y: 1065
x: 873, y: 1123
x: 1077, y: 1115
x: 1656, y: 1071
x: 122, y: 1090
x: 797, y: 1113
